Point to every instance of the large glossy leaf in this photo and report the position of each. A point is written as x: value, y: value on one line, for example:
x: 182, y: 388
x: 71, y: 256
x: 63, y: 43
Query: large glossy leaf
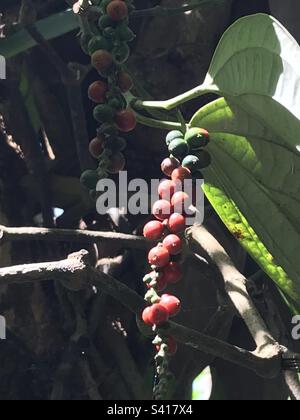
x: 253, y: 183
x: 257, y: 65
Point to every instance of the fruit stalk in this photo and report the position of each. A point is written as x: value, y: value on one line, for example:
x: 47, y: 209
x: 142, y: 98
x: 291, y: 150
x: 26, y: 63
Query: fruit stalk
x: 175, y: 102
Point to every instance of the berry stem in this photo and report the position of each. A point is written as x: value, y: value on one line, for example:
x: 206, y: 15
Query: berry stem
x: 151, y: 122
x: 178, y: 100
x: 181, y: 119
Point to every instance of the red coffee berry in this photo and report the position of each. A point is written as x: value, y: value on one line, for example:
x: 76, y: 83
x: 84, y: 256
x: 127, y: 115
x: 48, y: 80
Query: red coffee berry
x: 153, y: 230
x: 171, y: 303
x: 125, y: 120
x: 96, y: 147
x: 166, y: 189
x: 176, y: 223
x: 97, y: 92
x: 101, y: 60
x: 117, y: 163
x: 158, y: 314
x: 169, y: 165
x: 173, y: 244
x: 180, y: 202
x: 117, y: 10
x: 172, y: 346
x: 124, y: 81
x: 159, y: 256
x: 172, y: 273
x: 162, y: 209
x: 146, y: 315
x: 180, y: 174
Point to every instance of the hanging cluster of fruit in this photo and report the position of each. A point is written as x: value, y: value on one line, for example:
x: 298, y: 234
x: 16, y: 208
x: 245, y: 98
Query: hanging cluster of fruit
x: 108, y: 47
x: 187, y: 158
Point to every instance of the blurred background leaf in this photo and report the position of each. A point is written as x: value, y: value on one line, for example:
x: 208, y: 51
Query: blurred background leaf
x: 51, y: 27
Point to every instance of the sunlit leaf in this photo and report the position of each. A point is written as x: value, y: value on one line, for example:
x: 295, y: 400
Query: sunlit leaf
x: 256, y: 64
x: 253, y: 183
x: 202, y: 386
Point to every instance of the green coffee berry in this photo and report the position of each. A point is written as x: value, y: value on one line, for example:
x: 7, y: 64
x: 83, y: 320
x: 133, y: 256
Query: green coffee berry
x: 105, y: 22
x: 192, y: 163
x: 104, y: 113
x: 204, y: 159
x: 175, y: 134
x: 121, y: 53
x: 98, y: 43
x: 196, y: 138
x: 118, y: 102
x: 124, y: 33
x: 178, y: 148
x: 89, y: 179
x: 109, y: 33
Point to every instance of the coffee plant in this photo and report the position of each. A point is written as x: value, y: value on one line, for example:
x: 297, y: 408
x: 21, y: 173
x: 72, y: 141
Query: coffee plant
x: 222, y: 294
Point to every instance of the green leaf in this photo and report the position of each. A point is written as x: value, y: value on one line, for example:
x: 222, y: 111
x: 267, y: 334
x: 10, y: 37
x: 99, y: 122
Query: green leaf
x: 202, y: 386
x: 253, y: 183
x: 256, y: 65
x: 50, y: 27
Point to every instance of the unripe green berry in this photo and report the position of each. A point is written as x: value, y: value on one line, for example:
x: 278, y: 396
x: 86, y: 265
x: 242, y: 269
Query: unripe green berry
x: 175, y: 134
x: 98, y: 43
x: 121, y: 53
x: 124, y: 33
x: 118, y: 102
x: 109, y: 33
x: 192, y: 163
x: 105, y: 22
x: 104, y: 113
x: 178, y: 148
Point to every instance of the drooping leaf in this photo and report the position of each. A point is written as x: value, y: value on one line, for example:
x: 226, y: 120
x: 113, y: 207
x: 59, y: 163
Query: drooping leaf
x: 253, y: 183
x: 51, y: 27
x: 256, y: 64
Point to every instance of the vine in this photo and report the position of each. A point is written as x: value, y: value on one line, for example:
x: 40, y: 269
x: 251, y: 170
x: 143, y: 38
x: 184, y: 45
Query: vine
x: 107, y: 45
x: 165, y: 259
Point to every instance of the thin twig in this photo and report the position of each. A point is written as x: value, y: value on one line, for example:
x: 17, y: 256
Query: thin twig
x: 76, y: 273
x: 69, y: 235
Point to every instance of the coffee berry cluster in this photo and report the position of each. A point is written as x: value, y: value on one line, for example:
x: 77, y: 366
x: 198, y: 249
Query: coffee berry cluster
x: 109, y: 51
x: 186, y: 160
